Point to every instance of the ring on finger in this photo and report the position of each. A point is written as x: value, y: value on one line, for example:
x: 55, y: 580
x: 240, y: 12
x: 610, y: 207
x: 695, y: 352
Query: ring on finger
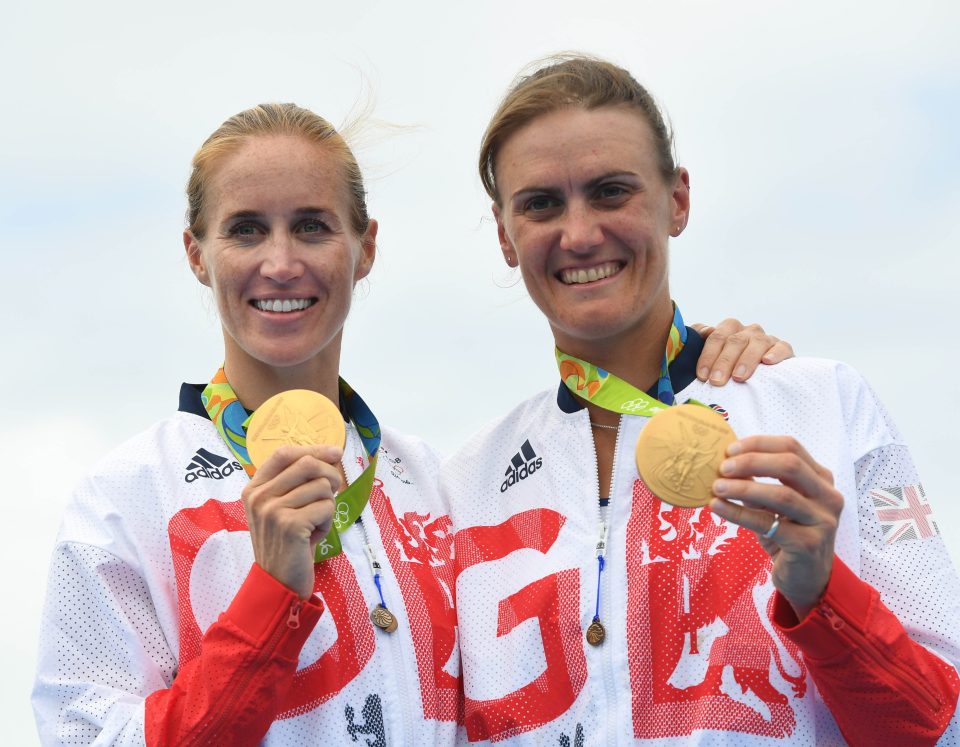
x: 773, y: 527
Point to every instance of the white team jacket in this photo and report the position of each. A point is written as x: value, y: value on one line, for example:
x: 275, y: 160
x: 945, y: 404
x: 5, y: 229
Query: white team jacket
x: 690, y: 656
x: 153, y: 548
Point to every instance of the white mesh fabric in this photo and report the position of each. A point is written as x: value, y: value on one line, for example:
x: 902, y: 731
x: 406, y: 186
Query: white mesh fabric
x: 92, y: 670
x: 825, y: 405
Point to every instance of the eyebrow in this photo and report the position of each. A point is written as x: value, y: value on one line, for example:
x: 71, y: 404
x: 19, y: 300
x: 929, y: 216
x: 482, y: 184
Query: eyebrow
x: 240, y: 214
x: 592, y: 184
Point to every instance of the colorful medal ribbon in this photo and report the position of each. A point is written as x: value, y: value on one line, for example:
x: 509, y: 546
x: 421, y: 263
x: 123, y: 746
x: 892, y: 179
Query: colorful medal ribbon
x: 610, y: 392
x: 230, y: 418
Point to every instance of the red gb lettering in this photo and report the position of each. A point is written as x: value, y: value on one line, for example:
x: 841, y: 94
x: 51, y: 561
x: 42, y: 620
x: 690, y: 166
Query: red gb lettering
x: 334, y: 580
x: 557, y: 687
x: 419, y: 549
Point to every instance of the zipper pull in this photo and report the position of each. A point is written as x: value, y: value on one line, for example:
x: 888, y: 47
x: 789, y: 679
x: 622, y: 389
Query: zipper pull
x: 832, y: 617
x: 293, y: 618
x: 372, y: 559
x: 602, y: 540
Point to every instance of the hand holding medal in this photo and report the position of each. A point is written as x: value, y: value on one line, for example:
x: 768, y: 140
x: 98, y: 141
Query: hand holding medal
x: 795, y: 519
x: 283, y: 445
x: 295, y: 445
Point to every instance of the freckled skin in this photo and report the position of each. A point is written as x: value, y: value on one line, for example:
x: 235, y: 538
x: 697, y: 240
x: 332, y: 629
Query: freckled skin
x: 581, y: 188
x: 297, y: 243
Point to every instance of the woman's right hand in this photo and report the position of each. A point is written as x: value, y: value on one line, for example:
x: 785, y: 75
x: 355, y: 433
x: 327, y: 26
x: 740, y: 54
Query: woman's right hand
x: 289, y: 505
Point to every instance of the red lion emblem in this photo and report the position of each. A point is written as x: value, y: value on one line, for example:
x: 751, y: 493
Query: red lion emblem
x: 701, y: 655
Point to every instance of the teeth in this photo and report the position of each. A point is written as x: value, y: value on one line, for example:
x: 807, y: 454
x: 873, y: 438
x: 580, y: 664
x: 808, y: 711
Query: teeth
x: 575, y: 277
x: 283, y: 305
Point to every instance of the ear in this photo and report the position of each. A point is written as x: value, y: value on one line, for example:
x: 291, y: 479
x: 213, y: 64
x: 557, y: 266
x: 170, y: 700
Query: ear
x: 506, y: 246
x: 195, y: 257
x: 368, y: 251
x: 681, y: 202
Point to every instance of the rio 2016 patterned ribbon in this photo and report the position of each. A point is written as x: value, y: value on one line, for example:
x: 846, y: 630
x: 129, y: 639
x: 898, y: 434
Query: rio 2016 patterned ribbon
x: 228, y: 417
x: 610, y: 392
x: 231, y: 420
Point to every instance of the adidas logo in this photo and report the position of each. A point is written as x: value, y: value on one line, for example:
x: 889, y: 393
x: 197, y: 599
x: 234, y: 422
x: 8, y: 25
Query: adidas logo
x: 523, y: 464
x: 209, y: 465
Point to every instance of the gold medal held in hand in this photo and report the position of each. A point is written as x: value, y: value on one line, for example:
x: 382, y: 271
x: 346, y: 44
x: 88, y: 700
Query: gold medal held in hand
x: 679, y: 453
x: 297, y: 417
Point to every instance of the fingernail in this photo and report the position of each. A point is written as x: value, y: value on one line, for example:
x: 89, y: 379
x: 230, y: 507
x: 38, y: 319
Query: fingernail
x: 717, y: 376
x: 739, y: 373
x: 726, y: 466
x: 703, y: 373
x: 767, y: 358
x: 720, y: 487
x: 734, y: 448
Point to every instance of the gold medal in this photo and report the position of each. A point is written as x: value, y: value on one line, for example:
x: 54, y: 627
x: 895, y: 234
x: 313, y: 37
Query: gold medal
x: 383, y: 619
x: 679, y: 453
x: 596, y: 633
x: 299, y: 417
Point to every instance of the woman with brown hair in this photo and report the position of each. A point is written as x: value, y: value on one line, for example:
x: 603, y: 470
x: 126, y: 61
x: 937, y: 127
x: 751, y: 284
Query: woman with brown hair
x: 802, y: 593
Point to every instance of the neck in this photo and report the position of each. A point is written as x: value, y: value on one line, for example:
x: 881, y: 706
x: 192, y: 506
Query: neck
x: 635, y: 355
x: 254, y: 382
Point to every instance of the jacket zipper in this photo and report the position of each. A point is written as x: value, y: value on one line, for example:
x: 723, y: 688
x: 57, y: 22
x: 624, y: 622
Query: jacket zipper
x: 862, y: 643
x: 608, y: 675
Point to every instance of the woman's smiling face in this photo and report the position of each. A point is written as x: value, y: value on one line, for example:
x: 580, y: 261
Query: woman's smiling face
x: 586, y: 213
x: 279, y: 251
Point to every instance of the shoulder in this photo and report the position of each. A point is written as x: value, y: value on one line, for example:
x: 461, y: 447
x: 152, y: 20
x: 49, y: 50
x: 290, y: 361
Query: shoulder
x: 533, y: 410
x: 821, y: 380
x: 503, y: 436
x: 801, y: 370
x: 810, y: 396
x: 135, y: 487
x: 149, y: 449
x: 408, y: 460
x: 798, y: 379
x: 409, y: 446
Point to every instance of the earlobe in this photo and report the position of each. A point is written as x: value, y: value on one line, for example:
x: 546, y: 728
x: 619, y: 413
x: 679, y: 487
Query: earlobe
x: 368, y: 251
x: 506, y: 246
x: 681, y: 202
x: 195, y: 257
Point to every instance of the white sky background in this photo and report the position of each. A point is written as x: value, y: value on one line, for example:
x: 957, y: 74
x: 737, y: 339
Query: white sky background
x: 821, y: 140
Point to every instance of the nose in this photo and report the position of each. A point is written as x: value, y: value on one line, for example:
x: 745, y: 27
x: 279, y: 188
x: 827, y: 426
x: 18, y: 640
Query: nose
x: 580, y: 230
x: 281, y: 262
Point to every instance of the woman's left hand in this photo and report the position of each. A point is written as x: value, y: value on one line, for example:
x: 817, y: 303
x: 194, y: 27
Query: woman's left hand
x: 732, y: 349
x: 805, y: 500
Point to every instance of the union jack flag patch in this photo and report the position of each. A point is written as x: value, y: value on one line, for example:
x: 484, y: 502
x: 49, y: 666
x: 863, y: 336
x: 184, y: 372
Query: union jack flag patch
x: 903, y: 513
x: 717, y: 408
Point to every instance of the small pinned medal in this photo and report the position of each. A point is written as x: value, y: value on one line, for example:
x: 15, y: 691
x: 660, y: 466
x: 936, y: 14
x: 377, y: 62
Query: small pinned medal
x: 383, y: 619
x: 596, y: 633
